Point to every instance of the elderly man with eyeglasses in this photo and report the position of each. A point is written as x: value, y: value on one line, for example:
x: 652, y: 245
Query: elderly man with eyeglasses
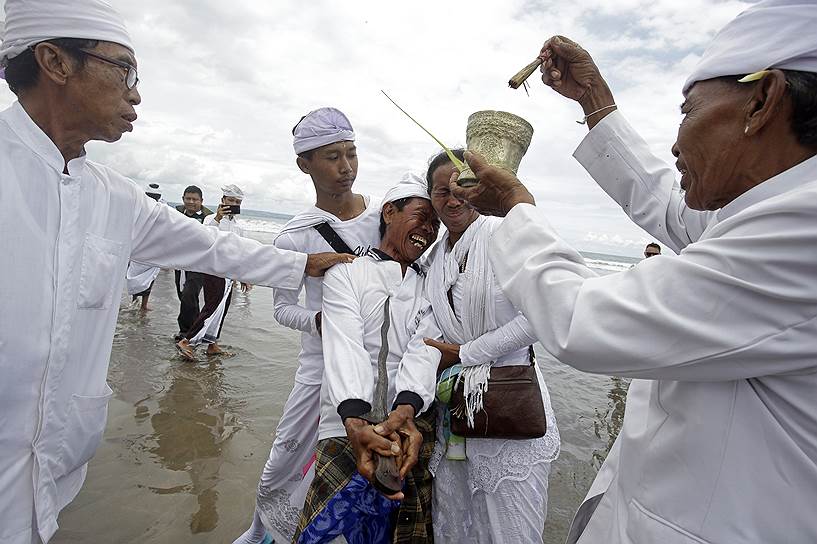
x: 71, y: 228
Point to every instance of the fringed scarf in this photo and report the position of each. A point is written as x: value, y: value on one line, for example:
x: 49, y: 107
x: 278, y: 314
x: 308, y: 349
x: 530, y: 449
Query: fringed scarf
x: 468, y: 256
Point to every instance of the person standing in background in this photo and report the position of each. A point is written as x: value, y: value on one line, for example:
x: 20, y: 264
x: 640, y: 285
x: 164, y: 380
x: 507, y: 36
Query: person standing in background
x: 189, y: 284
x: 206, y: 328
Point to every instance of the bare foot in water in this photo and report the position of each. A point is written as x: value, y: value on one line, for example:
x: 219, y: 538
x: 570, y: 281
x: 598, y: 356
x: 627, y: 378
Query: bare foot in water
x: 186, y: 350
x: 215, y: 350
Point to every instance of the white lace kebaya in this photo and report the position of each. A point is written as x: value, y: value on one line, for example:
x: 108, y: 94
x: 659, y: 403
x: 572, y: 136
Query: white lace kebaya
x: 478, y: 500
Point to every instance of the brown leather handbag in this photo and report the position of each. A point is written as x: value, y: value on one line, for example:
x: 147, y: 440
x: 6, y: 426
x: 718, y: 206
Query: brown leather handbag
x: 512, y: 406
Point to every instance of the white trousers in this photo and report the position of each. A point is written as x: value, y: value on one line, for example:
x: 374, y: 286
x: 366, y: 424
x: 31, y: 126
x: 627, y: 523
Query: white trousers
x: 284, y: 483
x: 515, y: 512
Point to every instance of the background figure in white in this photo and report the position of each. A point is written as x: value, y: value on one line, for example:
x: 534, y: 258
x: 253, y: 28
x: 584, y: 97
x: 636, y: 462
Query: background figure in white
x: 325, y: 148
x: 498, y: 493
x: 139, y: 277
x: 218, y: 291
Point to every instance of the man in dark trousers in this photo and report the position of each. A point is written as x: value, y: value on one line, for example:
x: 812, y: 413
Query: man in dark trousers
x: 189, y: 284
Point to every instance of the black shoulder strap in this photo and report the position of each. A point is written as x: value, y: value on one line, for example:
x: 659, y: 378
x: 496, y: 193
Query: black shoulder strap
x: 332, y: 238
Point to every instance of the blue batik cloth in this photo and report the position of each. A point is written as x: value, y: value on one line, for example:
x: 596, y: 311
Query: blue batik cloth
x: 358, y: 512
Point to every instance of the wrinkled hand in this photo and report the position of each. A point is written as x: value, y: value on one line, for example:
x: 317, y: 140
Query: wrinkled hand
x: 451, y: 353
x: 318, y: 263
x: 401, y: 423
x: 366, y: 442
x: 498, y: 189
x: 570, y: 71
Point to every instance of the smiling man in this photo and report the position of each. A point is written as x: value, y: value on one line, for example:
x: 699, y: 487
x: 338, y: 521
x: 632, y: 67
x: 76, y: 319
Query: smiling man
x: 374, y: 319
x: 71, y: 229
x: 719, y: 440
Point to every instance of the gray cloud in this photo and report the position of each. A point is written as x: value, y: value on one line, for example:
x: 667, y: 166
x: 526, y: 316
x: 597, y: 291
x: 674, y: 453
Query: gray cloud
x: 224, y: 82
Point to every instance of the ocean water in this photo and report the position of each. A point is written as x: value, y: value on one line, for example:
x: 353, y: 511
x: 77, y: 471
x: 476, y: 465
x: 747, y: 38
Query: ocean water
x: 185, y: 443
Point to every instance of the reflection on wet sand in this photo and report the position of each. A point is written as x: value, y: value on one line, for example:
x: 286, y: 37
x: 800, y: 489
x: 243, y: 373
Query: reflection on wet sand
x: 608, y: 424
x: 176, y: 466
x: 191, y: 427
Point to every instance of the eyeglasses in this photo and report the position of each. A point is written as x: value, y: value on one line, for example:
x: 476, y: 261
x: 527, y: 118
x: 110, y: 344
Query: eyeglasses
x: 651, y: 254
x: 131, y: 77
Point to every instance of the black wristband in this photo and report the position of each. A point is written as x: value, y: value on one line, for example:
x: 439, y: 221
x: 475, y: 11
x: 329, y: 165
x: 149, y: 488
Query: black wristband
x: 353, y: 408
x: 411, y: 398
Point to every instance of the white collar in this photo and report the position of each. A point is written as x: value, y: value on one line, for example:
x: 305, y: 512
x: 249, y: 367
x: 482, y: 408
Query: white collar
x: 38, y: 141
x: 783, y: 182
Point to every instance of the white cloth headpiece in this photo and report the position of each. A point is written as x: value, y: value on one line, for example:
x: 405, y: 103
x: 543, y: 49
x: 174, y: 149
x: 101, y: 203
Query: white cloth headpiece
x: 232, y: 191
x: 770, y: 34
x: 153, y: 189
x: 321, y: 127
x: 29, y: 22
x: 411, y: 185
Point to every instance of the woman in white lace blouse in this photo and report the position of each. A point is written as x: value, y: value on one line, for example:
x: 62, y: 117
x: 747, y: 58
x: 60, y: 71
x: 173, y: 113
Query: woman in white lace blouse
x: 498, y: 492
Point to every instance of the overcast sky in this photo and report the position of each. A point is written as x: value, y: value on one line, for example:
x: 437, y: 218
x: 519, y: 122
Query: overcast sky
x: 223, y: 83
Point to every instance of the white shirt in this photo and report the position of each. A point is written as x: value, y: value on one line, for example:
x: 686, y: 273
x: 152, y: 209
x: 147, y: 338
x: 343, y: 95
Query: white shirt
x: 722, y: 445
x: 360, y: 234
x: 228, y: 223
x: 354, y: 295
x: 66, y: 241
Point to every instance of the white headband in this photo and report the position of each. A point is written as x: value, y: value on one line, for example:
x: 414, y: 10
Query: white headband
x: 770, y: 34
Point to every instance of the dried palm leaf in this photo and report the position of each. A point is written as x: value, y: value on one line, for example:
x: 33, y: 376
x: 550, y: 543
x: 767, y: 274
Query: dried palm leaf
x: 453, y: 158
x: 523, y: 74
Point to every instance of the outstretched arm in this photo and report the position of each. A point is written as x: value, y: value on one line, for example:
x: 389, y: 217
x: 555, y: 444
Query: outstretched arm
x: 613, y: 153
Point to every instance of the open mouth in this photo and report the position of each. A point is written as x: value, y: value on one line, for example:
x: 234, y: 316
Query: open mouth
x: 418, y: 241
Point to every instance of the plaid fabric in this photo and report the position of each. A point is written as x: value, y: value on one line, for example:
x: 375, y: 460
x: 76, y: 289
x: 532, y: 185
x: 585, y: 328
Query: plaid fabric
x: 335, y: 465
x: 414, y: 517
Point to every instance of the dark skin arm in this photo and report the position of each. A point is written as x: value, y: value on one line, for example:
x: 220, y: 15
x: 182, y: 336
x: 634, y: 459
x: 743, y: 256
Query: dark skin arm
x: 318, y: 263
x: 450, y: 353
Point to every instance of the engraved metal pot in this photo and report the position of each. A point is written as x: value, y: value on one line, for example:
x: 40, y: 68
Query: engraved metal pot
x: 501, y: 137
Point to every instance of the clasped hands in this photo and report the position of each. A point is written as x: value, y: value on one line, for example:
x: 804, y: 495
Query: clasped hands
x: 396, y: 437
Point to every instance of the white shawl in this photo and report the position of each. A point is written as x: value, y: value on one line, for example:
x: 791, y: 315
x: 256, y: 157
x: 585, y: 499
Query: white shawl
x: 478, y: 304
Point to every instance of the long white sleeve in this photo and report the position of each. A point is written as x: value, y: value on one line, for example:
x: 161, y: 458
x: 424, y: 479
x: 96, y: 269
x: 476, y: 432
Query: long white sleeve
x: 512, y: 336
x: 738, y: 304
x: 620, y: 161
x: 287, y: 308
x: 165, y: 238
x: 347, y: 365
x: 418, y: 366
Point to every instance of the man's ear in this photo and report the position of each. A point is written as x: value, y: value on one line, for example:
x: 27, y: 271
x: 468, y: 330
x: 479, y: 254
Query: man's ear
x: 389, y: 210
x: 767, y: 101
x: 54, y: 63
x: 303, y: 164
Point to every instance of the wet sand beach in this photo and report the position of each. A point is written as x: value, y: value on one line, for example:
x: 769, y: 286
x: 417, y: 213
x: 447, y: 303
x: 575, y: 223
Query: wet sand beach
x: 185, y: 443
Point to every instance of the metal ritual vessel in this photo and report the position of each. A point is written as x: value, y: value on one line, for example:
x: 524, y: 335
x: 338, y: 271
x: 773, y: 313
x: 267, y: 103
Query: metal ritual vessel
x: 386, y: 475
x: 501, y: 137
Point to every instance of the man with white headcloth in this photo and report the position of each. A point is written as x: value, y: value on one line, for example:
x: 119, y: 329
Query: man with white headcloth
x: 375, y: 318
x: 218, y: 291
x: 72, y: 226
x: 340, y: 220
x: 719, y: 441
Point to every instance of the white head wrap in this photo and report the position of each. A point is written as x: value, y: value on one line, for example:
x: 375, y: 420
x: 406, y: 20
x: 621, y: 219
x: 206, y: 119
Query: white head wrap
x: 153, y: 189
x: 232, y: 191
x: 29, y: 22
x: 770, y: 34
x: 411, y: 185
x: 321, y: 127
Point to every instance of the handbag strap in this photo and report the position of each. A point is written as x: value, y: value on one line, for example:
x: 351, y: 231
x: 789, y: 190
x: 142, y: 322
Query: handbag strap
x: 333, y: 238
